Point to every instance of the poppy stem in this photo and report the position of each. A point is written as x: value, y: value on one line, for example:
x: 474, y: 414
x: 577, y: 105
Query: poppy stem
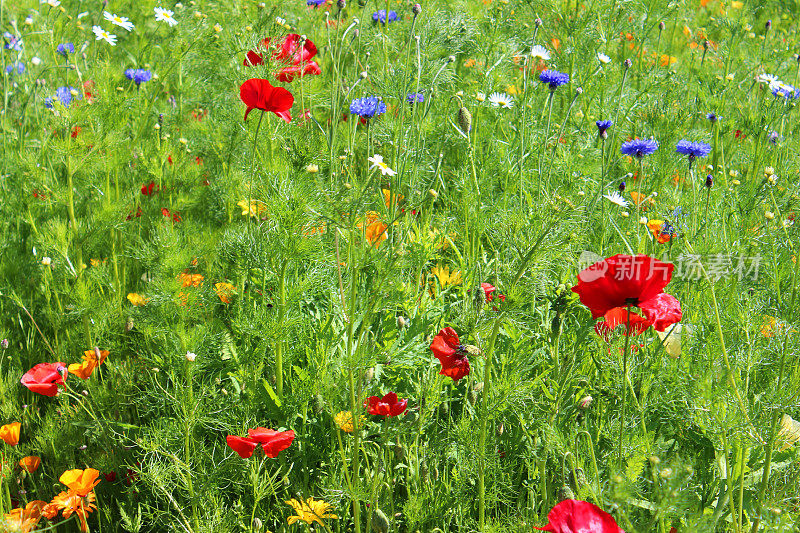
x: 624, y: 384
x: 487, y: 379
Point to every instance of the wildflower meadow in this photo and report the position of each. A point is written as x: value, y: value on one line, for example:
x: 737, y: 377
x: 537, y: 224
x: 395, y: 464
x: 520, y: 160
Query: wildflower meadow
x: 375, y: 266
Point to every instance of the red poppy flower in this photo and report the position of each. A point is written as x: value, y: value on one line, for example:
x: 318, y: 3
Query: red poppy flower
x: 575, y: 516
x: 150, y: 188
x: 272, y: 442
x: 288, y: 51
x: 452, y: 354
x: 88, y: 91
x: 132, y: 215
x: 618, y: 317
x: 75, y: 131
x: 489, y: 289
x: 45, y: 378
x: 260, y: 94
x: 389, y: 405
x: 624, y: 280
x: 243, y: 446
x: 288, y: 74
x: 110, y: 476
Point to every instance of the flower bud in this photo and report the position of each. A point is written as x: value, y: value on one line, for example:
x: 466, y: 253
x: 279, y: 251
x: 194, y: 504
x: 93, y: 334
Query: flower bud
x: 416, y: 9
x: 627, y: 64
x: 709, y: 181
x: 579, y: 91
x: 191, y: 356
x: 380, y: 522
x: 4, y: 344
x: 661, y: 26
x: 341, y: 4
x: 622, y: 186
x: 401, y: 322
x: 450, y: 59
x: 768, y: 25
x: 537, y: 22
x: 585, y: 402
x: 465, y: 120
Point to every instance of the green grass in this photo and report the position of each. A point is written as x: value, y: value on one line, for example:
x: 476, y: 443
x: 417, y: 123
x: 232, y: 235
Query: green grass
x: 319, y: 318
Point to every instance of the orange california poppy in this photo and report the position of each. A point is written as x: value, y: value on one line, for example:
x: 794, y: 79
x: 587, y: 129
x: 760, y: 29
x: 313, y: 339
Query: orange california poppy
x: 642, y: 200
x: 90, y: 361
x: 190, y: 280
x: 30, y: 463
x: 71, y: 502
x: 25, y: 520
x: 667, y: 60
x: 137, y: 300
x: 80, y: 481
x: 10, y: 433
x: 225, y: 291
x: 556, y: 43
x: 656, y: 228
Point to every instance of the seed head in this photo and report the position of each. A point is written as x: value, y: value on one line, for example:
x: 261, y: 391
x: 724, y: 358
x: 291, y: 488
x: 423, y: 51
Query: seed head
x: 465, y: 120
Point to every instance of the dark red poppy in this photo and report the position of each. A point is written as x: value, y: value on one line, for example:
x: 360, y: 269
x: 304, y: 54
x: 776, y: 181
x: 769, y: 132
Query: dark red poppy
x: 618, y: 317
x: 241, y: 445
x: 575, y: 516
x: 149, y: 188
x: 45, y: 378
x: 489, y: 289
x: 272, y: 442
x: 260, y: 94
x: 169, y: 159
x: 38, y: 194
x: 389, y: 405
x: 110, y: 476
x: 451, y: 354
x: 636, y: 281
x: 131, y: 216
x: 176, y: 217
x: 288, y: 74
x: 198, y: 160
x: 75, y: 131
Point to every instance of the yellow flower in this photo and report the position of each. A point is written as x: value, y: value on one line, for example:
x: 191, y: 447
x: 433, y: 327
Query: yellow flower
x: 137, y: 300
x: 446, y: 277
x: 225, y: 291
x: 789, y: 433
x: 310, y: 511
x: 256, y: 209
x: 344, y: 419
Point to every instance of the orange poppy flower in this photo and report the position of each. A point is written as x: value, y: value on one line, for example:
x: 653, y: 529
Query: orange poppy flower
x: 30, y: 463
x: 655, y: 226
x: 10, y: 433
x: 80, y: 481
x: 225, y: 291
x: 137, y: 300
x: 25, y: 520
x: 667, y: 60
x: 90, y: 361
x: 190, y: 280
x: 374, y: 228
x: 71, y: 502
x: 556, y: 43
x: 642, y: 201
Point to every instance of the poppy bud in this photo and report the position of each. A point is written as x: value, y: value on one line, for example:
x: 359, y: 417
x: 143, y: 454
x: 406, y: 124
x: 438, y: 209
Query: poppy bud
x: 318, y: 403
x: 435, y: 473
x: 465, y: 120
x: 622, y: 186
x: 579, y: 91
x: 500, y: 429
x: 257, y: 524
x: 416, y: 9
x: 380, y: 522
x: 444, y: 409
x: 565, y: 493
x: 399, y: 453
x: 450, y: 59
x: 709, y: 181
x: 472, y: 397
x: 433, y: 193
x: 423, y: 472
x: 537, y: 22
x: 661, y: 26
x: 401, y: 322
x: 585, y: 402
x: 627, y: 64
x: 555, y: 325
x: 128, y: 325
x: 363, y: 75
x: 369, y: 374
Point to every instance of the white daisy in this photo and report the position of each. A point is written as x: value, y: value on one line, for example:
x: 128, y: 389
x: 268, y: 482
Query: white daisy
x: 767, y: 78
x: 377, y: 162
x: 540, y: 52
x: 501, y: 100
x: 51, y: 3
x: 616, y: 198
x: 604, y: 59
x: 116, y: 20
x: 165, y: 15
x: 100, y: 33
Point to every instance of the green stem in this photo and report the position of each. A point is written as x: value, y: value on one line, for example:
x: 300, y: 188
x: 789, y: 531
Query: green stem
x: 487, y: 380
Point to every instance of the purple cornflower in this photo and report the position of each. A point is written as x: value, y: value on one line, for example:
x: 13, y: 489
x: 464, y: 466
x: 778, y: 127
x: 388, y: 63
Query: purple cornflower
x: 367, y: 107
x: 554, y: 78
x: 14, y: 42
x: 602, y: 126
x: 712, y: 117
x: 65, y: 95
x: 639, y: 147
x: 785, y: 90
x: 774, y: 137
x: 414, y: 98
x: 380, y: 16
x: 139, y: 75
x: 692, y: 149
x: 65, y: 48
x: 315, y: 3
x: 19, y: 67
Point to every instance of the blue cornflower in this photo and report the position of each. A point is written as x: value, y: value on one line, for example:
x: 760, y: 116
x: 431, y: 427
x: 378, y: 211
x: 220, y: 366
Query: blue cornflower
x: 14, y: 42
x: 639, y: 147
x: 554, y: 78
x: 65, y: 48
x: 65, y: 95
x: 692, y: 149
x: 19, y: 67
x: 774, y: 137
x: 712, y: 117
x: 139, y: 75
x: 784, y: 90
x: 414, y: 98
x: 380, y: 16
x: 602, y: 126
x: 315, y: 3
x: 367, y: 107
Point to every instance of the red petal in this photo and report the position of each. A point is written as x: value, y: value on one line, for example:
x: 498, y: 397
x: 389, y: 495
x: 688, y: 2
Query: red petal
x: 44, y: 378
x: 575, y: 516
x: 253, y: 58
x: 445, y: 343
x: 662, y: 310
x: 618, y: 317
x: 273, y: 442
x: 285, y: 115
x: 454, y: 367
x: 243, y: 446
